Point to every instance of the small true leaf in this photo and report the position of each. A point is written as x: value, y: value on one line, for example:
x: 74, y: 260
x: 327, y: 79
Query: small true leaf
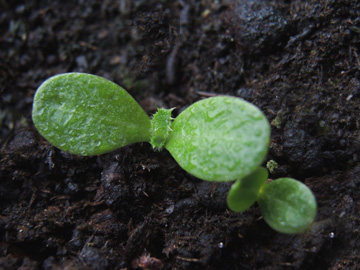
x: 220, y: 138
x: 160, y: 128
x: 244, y: 192
x: 287, y: 205
x: 88, y: 115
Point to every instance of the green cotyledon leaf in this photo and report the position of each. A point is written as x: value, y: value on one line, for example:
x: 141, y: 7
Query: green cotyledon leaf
x: 85, y: 114
x: 287, y: 205
x: 220, y: 138
x: 244, y: 192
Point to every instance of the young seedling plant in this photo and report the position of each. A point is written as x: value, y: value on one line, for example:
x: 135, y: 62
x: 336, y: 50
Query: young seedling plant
x: 216, y: 139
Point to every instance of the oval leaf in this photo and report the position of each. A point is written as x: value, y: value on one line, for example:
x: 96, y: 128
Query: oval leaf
x: 85, y: 114
x: 220, y: 138
x: 287, y: 205
x: 244, y: 192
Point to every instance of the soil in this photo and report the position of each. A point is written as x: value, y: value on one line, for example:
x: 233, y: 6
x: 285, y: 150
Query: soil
x: 135, y: 208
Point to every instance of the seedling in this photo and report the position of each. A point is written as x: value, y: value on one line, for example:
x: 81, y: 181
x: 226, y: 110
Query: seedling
x: 216, y: 139
x: 287, y: 205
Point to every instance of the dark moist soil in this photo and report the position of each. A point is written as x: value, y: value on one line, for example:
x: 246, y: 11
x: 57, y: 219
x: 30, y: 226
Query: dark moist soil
x: 299, y: 61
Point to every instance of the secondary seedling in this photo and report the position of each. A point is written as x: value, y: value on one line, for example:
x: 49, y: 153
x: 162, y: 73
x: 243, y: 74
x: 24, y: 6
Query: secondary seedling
x: 216, y: 139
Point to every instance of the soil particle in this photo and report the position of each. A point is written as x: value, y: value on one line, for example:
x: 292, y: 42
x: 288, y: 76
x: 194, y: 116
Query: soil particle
x: 92, y: 257
x: 256, y: 25
x: 304, y: 153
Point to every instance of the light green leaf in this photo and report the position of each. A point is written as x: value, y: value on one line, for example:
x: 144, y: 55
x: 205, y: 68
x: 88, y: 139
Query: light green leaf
x: 244, y: 192
x: 85, y: 114
x: 220, y: 138
x: 287, y: 205
x: 160, y: 128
